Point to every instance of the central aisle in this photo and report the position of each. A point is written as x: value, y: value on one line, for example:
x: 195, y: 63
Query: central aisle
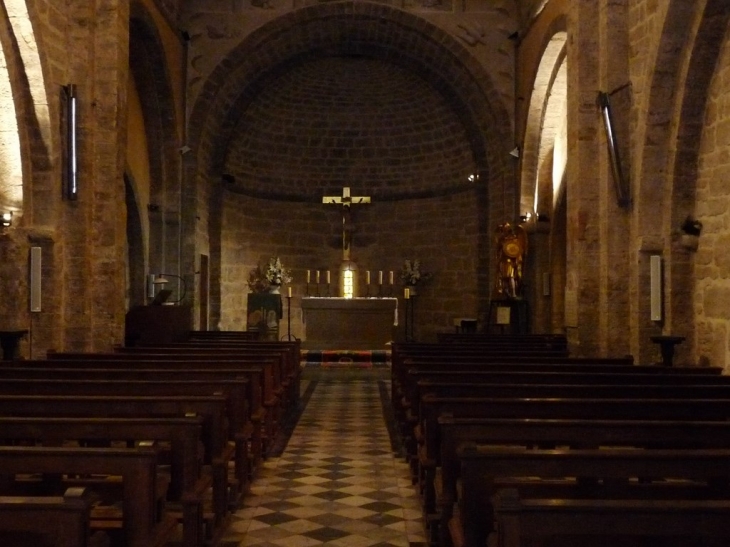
x: 338, y: 481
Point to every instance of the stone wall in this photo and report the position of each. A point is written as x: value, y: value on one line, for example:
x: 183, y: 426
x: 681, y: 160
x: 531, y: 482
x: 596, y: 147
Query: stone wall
x: 712, y: 260
x: 441, y: 232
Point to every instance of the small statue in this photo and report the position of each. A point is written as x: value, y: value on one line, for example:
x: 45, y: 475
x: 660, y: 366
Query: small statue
x: 511, y: 249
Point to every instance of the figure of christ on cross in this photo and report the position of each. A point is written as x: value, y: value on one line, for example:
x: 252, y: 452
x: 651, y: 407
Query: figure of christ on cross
x: 347, y: 228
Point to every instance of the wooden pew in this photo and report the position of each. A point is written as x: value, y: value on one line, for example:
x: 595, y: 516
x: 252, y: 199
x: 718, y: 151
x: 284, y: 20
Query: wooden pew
x: 188, y: 486
x: 550, y: 408
x: 425, y: 444
x: 285, y: 389
x: 124, y: 370
x: 516, y: 341
x: 235, y: 391
x: 211, y: 409
x: 62, y: 521
x: 482, y: 466
x: 405, y: 404
x: 407, y: 411
x: 401, y: 376
x: 579, y: 433
x: 262, y: 374
x: 519, y: 521
x: 289, y: 352
x: 249, y: 335
x: 143, y: 523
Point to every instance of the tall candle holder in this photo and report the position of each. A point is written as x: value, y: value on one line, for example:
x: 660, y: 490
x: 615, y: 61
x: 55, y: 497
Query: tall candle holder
x: 327, y: 292
x: 410, y: 319
x: 306, y: 289
x: 288, y: 336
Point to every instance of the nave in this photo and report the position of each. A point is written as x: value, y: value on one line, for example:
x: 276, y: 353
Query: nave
x: 339, y: 479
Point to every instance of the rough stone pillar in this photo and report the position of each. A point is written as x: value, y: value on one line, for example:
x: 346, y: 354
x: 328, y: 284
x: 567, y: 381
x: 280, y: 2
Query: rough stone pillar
x: 94, y: 226
x: 582, y: 295
x: 615, y: 219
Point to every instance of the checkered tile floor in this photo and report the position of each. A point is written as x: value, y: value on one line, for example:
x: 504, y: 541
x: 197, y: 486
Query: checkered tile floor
x: 338, y: 481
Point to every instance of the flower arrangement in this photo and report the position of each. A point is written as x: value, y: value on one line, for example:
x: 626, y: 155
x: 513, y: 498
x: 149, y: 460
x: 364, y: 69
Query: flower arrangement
x: 411, y: 273
x: 260, y: 279
x: 275, y: 272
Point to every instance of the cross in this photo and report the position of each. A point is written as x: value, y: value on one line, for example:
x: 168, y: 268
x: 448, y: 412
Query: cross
x: 346, y: 201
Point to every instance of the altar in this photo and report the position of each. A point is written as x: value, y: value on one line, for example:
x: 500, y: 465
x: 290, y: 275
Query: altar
x: 349, y: 323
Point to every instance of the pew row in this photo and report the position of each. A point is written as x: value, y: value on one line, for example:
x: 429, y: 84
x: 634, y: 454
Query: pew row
x: 211, y: 410
x: 144, y: 524
x: 552, y: 433
x: 62, y: 521
x: 519, y: 522
x: 188, y: 486
x: 481, y: 468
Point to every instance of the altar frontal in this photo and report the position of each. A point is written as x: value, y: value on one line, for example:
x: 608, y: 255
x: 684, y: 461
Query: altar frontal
x: 349, y: 323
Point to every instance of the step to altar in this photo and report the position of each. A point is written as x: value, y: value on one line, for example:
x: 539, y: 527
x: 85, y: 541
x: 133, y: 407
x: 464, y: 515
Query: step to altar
x: 345, y: 358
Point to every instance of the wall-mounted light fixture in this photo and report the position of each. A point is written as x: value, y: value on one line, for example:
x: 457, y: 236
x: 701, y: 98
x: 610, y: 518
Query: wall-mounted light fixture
x: 70, y: 175
x: 620, y: 183
x: 515, y: 152
x: 6, y: 220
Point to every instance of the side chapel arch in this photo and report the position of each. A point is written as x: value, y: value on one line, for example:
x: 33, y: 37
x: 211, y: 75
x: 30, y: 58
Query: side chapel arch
x: 683, y: 60
x: 544, y: 159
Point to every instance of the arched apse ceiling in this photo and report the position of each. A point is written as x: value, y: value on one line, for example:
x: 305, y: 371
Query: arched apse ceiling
x: 353, y: 30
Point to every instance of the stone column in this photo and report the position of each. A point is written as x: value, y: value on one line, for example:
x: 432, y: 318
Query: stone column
x: 582, y: 295
x: 94, y: 227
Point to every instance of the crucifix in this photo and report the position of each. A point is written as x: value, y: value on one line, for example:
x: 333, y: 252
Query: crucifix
x: 346, y: 201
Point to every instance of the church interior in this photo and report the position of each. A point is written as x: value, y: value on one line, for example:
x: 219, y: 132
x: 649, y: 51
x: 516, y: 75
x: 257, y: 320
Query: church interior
x: 327, y: 200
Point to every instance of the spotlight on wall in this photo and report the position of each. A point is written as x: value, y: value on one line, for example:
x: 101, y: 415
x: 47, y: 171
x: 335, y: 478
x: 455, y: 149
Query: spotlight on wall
x: 473, y: 177
x: 6, y: 220
x: 184, y: 149
x: 515, y: 152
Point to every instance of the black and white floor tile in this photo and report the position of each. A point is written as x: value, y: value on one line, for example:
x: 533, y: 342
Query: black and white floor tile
x: 339, y: 480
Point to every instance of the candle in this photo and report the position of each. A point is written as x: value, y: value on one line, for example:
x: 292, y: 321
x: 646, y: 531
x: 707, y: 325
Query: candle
x: 289, y: 292
x: 345, y: 192
x: 407, y: 293
x: 309, y: 276
x: 317, y: 276
x: 380, y: 277
x: 391, y: 277
x: 367, y: 277
x: 328, y: 277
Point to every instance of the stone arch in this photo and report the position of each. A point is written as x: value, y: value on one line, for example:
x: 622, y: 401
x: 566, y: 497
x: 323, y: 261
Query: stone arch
x: 148, y: 68
x: 543, y: 160
x: 668, y: 164
x: 27, y: 145
x: 712, y: 35
x: 540, y: 126
x: 351, y: 28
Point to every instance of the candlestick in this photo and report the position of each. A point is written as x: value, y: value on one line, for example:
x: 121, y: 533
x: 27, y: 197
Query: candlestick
x: 391, y: 277
x: 317, y: 276
x: 289, y: 292
x: 309, y: 276
x: 328, y: 277
x: 407, y: 293
x: 380, y: 277
x: 367, y: 277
